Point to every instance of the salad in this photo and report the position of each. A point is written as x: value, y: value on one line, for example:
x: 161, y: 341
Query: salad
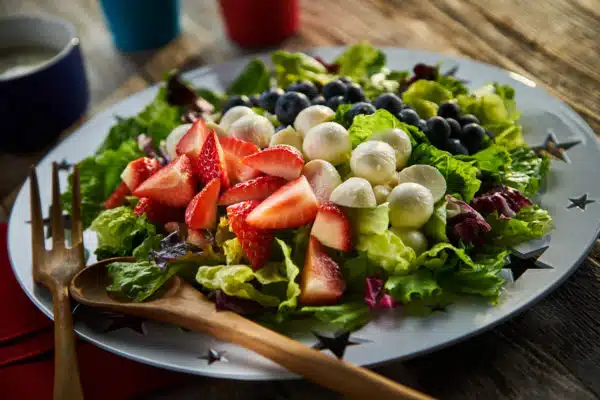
x: 314, y: 190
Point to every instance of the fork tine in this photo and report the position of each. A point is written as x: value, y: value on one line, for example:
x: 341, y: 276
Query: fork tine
x: 58, y: 229
x: 37, y: 224
x: 76, y: 224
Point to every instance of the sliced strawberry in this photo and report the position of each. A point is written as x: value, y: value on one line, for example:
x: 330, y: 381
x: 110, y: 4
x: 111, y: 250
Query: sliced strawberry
x: 281, y: 160
x: 256, y: 243
x: 199, y: 238
x: 332, y: 227
x: 157, y: 212
x: 173, y: 185
x: 137, y: 171
x: 211, y: 162
x: 321, y: 280
x: 191, y: 143
x: 255, y: 189
x: 292, y: 205
x: 117, y: 198
x: 201, y: 213
x: 235, y: 150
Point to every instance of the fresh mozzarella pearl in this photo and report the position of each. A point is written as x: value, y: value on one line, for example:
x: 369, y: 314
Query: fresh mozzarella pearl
x: 375, y: 161
x: 232, y: 115
x: 425, y: 175
x: 322, y: 177
x: 411, y: 205
x: 413, y: 239
x: 312, y: 116
x: 381, y: 193
x: 399, y: 141
x: 287, y: 136
x: 354, y: 192
x: 174, y: 138
x: 253, y: 128
x: 328, y: 141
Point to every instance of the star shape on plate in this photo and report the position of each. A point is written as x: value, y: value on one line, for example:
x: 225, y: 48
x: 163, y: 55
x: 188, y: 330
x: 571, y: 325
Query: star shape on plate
x: 64, y: 165
x: 581, y: 202
x: 105, y: 321
x: 518, y: 265
x: 337, y: 342
x: 213, y: 355
x: 555, y: 148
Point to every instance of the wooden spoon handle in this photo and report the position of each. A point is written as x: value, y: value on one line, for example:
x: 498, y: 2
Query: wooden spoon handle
x: 67, y: 385
x: 191, y: 310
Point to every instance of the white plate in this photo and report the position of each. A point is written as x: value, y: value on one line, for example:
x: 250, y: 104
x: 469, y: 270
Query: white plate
x: 390, y: 338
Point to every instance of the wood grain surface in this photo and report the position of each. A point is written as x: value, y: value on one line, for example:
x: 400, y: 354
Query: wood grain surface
x: 551, y: 351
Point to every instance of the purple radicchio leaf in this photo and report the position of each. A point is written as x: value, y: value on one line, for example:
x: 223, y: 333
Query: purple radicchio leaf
x: 465, y: 223
x: 502, y: 199
x: 171, y: 248
x: 180, y: 94
x: 145, y: 144
x: 421, y: 71
x: 241, y: 306
x: 331, y: 68
x: 375, y: 296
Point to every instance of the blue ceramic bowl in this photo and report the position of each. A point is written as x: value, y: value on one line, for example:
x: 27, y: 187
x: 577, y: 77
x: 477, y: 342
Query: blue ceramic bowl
x: 43, y: 86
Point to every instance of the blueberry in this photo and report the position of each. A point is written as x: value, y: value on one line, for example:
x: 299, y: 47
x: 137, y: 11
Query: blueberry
x: 409, y: 117
x: 335, y: 88
x: 449, y: 110
x: 407, y: 107
x: 360, y: 108
x: 254, y: 100
x: 455, y: 129
x: 422, y: 125
x: 454, y: 146
x: 345, y: 79
x: 438, y: 131
x: 318, y: 101
x: 334, y: 102
x: 236, y: 101
x: 306, y: 87
x: 468, y: 119
x: 473, y: 137
x: 289, y: 105
x: 390, y: 102
x: 269, y: 98
x: 355, y: 93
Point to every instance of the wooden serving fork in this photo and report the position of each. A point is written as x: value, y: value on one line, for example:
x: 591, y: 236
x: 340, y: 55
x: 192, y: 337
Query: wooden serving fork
x: 54, y: 269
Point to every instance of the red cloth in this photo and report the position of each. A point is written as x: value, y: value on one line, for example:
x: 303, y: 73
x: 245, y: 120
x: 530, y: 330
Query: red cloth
x: 26, y: 362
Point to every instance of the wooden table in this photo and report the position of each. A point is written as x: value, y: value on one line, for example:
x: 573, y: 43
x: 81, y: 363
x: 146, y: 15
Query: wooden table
x: 551, y: 351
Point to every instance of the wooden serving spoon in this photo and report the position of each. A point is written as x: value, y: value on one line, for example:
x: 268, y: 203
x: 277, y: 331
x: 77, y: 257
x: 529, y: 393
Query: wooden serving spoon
x: 182, y: 305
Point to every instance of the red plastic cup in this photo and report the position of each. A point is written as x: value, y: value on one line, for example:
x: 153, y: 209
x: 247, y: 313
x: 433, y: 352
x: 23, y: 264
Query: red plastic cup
x: 254, y: 23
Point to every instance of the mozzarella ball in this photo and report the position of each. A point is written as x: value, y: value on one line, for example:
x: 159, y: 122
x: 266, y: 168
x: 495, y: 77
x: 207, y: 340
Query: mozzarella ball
x: 174, y: 137
x: 253, y: 128
x: 399, y: 141
x: 311, y: 117
x: 322, y: 177
x: 381, y: 193
x: 425, y: 175
x: 375, y: 161
x: 354, y: 192
x: 328, y: 141
x: 232, y: 115
x: 411, y: 205
x: 412, y: 238
x: 287, y: 136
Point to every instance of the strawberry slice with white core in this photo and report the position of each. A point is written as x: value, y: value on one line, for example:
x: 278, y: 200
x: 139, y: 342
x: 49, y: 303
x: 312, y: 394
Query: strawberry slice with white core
x: 137, y: 171
x: 321, y: 280
x: 211, y: 162
x: 255, y: 189
x: 173, y: 185
x: 235, y: 150
x: 292, y: 205
x: 157, y: 212
x: 256, y: 243
x: 191, y: 143
x: 281, y: 160
x: 201, y: 213
x: 332, y: 227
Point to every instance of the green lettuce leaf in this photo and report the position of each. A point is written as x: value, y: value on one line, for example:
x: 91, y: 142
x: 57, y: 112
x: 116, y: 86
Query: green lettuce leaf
x: 366, y: 221
x: 418, y: 285
x: 530, y: 223
x: 364, y: 126
x: 461, y: 176
x: 455, y: 86
x: 526, y: 170
x: 425, y: 97
x: 120, y: 232
x: 292, y: 67
x: 492, y: 161
x: 360, y: 60
x: 383, y: 82
x: 341, y: 115
x: 99, y: 176
x: 233, y: 251
x: 270, y: 273
x: 435, y: 227
x: 291, y: 271
x: 142, y: 252
x: 387, y: 251
x: 213, y: 97
x: 234, y: 280
x: 254, y: 79
x: 356, y: 269
x: 139, y: 280
x: 346, y: 317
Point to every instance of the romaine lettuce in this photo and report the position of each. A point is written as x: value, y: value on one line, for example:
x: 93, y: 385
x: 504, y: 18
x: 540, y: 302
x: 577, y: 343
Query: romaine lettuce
x: 387, y: 251
x: 360, y: 60
x: 254, y: 79
x: 346, y: 316
x: 292, y: 67
x: 138, y: 280
x: 366, y: 221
